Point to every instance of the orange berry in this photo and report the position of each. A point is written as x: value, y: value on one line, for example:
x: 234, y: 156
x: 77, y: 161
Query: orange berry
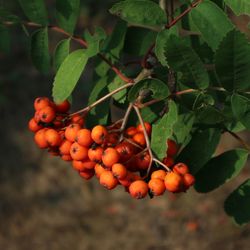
x: 126, y: 182
x: 83, y: 165
x: 131, y: 131
x: 53, y: 137
x: 83, y: 137
x: 112, y: 139
x: 173, y: 182
x: 139, y: 139
x: 78, y: 152
x: 188, y: 180
x: 138, y: 189
x: 109, y: 157
x: 142, y: 161
x: 159, y: 174
x: 66, y: 157
x: 41, y: 102
x: 168, y: 161
x: 78, y: 119
x: 37, y: 117
x: 71, y: 131
x: 181, y: 168
x: 87, y: 174
x: 65, y: 147
x: 148, y: 128
x: 99, y: 169
x: 156, y: 186
x: 125, y: 150
x: 172, y: 148
x: 119, y: 171
x: 47, y: 114
x: 33, y: 125
x: 95, y: 154
x: 63, y: 107
x: 99, y: 134
x: 40, y: 139
x: 108, y: 180
x: 58, y: 122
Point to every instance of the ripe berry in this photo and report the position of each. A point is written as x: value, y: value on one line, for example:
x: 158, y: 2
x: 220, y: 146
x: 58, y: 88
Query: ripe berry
x: 83, y: 137
x: 156, y: 186
x: 119, y: 171
x: 99, y: 169
x: 47, y: 114
x: 138, y: 189
x: 112, y: 139
x: 41, y: 102
x: 131, y: 131
x: 53, y: 138
x: 173, y: 182
x: 71, y: 131
x: 143, y: 161
x: 87, y: 174
x: 181, y: 168
x: 78, y: 119
x: 172, y: 148
x: 147, y: 127
x: 33, y: 125
x: 159, y: 174
x: 108, y: 180
x: 78, y: 152
x: 40, y: 139
x: 65, y: 147
x: 125, y: 150
x: 139, y: 139
x: 63, y: 107
x: 83, y: 165
x: 66, y: 157
x: 95, y: 154
x: 99, y: 134
x: 58, y: 122
x: 109, y: 157
x: 168, y: 161
x: 188, y: 180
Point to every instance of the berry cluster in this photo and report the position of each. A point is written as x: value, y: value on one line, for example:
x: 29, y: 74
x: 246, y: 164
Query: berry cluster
x: 114, y: 156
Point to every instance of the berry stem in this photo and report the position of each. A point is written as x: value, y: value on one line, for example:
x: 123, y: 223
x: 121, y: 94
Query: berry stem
x: 162, y: 164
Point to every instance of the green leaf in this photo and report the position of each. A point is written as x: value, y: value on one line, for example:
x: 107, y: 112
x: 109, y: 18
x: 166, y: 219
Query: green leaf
x: 220, y: 170
x: 67, y: 12
x: 40, y: 50
x: 35, y: 10
x: 61, y: 52
x: 4, y: 39
x: 209, y: 115
x: 232, y: 61
x: 200, y: 149
x: 164, y: 130
x: 138, y: 40
x: 115, y: 84
x: 141, y: 12
x: 151, y: 114
x: 94, y: 41
x: 158, y: 88
x: 6, y: 16
x: 183, y: 58
x: 68, y: 75
x: 239, y: 7
x: 237, y: 204
x: 212, y: 23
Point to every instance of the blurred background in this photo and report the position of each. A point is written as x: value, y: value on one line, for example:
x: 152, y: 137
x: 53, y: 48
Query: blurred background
x: 44, y: 204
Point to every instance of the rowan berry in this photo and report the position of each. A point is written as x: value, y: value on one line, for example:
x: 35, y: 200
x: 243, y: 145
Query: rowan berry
x: 40, y: 138
x: 172, y: 148
x: 65, y: 147
x: 47, y: 114
x: 53, y: 138
x: 33, y: 125
x: 37, y: 116
x: 78, y: 119
x: 78, y: 152
x: 125, y: 150
x: 138, y: 189
x: 119, y: 171
x: 86, y: 174
x: 139, y: 138
x: 58, y: 122
x: 142, y: 161
x: 63, y: 107
x: 109, y: 157
x: 148, y: 128
x: 71, y: 132
x: 99, y: 134
x: 83, y: 137
x: 159, y: 174
x: 181, y: 168
x: 108, y: 180
x: 173, y: 182
x: 168, y: 161
x: 156, y: 186
x: 95, y: 154
x: 112, y: 139
x: 131, y: 131
x: 41, y: 102
x: 83, y: 165
x: 99, y: 169
x: 66, y: 157
x: 188, y: 180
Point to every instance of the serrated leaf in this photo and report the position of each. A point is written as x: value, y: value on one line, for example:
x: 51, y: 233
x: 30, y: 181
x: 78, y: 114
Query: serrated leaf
x: 68, y: 75
x: 67, y: 12
x: 220, y: 170
x: 61, y: 52
x: 200, y: 149
x: 121, y: 96
x: 237, y: 204
x: 158, y: 88
x: 164, y: 130
x: 212, y: 23
x: 183, y: 58
x: 40, y: 50
x: 142, y: 12
x: 239, y: 7
x: 35, y: 10
x: 232, y: 61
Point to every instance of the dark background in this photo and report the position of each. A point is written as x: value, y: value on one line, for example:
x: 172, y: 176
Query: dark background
x: 44, y: 204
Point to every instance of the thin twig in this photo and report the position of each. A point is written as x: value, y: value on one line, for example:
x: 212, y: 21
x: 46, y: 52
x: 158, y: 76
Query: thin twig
x: 239, y: 139
x: 162, y: 164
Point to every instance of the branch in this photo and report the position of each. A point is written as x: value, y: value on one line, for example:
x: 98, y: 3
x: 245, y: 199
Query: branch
x: 239, y: 139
